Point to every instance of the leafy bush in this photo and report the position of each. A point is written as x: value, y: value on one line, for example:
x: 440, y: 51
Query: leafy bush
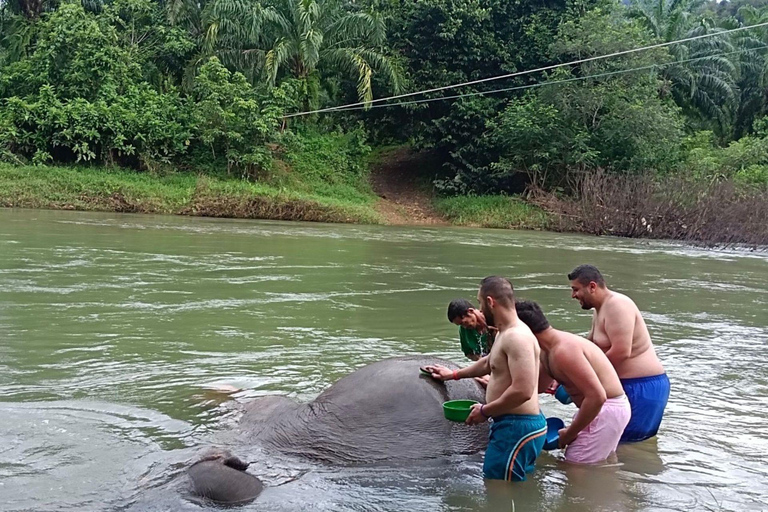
x: 230, y: 121
x: 616, y: 121
x: 744, y: 161
x: 333, y: 163
x: 81, y: 96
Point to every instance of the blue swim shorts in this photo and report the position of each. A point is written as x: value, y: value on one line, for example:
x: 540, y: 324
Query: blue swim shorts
x: 648, y: 397
x: 514, y: 442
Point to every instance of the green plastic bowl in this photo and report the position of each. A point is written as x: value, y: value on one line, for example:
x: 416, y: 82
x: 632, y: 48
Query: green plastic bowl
x: 458, y: 410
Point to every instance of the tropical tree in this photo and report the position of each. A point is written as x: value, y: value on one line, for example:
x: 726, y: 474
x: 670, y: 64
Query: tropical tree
x: 753, y: 80
x: 703, y: 78
x: 30, y: 9
x: 307, y: 36
x: 230, y: 30
x: 590, y: 116
x: 17, y: 26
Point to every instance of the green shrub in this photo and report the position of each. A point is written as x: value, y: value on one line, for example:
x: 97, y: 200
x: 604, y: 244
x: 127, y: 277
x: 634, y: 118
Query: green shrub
x: 744, y: 161
x: 231, y: 122
x: 492, y: 212
x: 334, y: 164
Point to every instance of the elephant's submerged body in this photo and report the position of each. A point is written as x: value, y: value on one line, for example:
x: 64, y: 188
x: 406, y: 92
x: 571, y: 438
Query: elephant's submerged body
x: 384, y: 412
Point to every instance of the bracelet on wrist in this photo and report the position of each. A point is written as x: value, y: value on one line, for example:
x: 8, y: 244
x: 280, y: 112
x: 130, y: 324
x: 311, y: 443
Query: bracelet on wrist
x: 483, y: 412
x: 455, y: 374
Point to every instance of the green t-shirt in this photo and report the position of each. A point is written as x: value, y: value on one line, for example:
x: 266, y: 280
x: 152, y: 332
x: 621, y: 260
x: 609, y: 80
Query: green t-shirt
x: 472, y: 342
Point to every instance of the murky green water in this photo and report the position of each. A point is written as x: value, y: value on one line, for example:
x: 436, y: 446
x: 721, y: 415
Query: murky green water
x: 113, y: 329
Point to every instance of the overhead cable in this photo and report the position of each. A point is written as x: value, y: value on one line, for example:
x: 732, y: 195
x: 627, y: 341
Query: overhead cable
x: 369, y: 104
x: 551, y: 82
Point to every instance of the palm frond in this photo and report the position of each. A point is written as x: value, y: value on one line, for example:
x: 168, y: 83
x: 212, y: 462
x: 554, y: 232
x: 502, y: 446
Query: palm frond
x: 276, y: 57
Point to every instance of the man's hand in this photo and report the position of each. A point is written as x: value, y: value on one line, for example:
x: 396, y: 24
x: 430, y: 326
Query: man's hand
x: 483, y: 381
x: 475, y: 416
x: 565, y: 438
x: 440, y: 372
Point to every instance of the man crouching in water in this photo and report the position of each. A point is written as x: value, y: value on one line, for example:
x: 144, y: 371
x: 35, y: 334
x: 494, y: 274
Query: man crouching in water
x: 518, y: 429
x: 590, y: 379
x: 620, y: 331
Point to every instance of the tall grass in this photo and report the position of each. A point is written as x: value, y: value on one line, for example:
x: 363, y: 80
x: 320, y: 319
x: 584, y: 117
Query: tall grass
x: 492, y: 212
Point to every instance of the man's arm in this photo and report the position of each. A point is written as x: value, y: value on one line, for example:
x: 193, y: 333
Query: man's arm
x: 477, y: 369
x: 545, y: 379
x: 619, y: 327
x: 576, y: 369
x: 521, y: 357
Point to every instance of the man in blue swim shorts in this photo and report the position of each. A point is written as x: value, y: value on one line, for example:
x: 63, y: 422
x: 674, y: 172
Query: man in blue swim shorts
x: 620, y: 331
x: 518, y: 430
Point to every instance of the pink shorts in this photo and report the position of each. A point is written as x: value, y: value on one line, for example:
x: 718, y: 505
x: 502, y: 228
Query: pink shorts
x: 601, y: 437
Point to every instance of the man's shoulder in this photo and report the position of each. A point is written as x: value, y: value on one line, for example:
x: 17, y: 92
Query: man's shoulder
x: 569, y: 346
x: 517, y: 334
x: 573, y: 339
x: 619, y: 303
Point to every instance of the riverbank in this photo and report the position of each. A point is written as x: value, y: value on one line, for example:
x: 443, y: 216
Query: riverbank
x: 119, y: 190
x: 716, y: 215
x: 389, y: 199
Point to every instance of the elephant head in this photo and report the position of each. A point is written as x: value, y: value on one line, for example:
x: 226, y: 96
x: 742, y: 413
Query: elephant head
x: 221, y: 477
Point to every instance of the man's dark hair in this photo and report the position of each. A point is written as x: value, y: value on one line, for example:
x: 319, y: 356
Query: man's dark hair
x: 458, y: 308
x: 586, y: 274
x: 532, y: 315
x: 499, y: 288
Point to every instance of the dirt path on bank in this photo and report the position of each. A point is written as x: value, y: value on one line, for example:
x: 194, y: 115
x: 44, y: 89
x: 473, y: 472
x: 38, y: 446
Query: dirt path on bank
x: 400, y: 179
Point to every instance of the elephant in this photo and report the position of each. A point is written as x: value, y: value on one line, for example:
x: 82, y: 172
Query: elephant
x: 222, y: 477
x: 386, y: 412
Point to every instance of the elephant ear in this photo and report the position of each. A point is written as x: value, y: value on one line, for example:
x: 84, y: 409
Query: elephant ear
x: 236, y: 463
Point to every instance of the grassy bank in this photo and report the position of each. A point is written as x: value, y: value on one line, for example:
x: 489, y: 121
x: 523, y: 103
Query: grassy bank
x: 102, y: 189
x: 492, y: 212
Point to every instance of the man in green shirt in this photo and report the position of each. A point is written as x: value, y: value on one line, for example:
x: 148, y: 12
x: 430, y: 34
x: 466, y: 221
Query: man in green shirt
x: 473, y: 331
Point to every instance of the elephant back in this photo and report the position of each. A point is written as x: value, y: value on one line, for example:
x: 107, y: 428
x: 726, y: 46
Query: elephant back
x: 386, y: 411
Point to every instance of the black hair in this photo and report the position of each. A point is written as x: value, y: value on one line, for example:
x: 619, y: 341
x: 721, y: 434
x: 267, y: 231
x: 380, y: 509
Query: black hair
x: 585, y: 274
x: 458, y: 308
x: 499, y: 288
x: 532, y: 315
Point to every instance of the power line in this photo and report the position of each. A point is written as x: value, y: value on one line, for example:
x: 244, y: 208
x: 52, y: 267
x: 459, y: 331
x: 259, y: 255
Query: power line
x: 520, y: 73
x: 554, y: 82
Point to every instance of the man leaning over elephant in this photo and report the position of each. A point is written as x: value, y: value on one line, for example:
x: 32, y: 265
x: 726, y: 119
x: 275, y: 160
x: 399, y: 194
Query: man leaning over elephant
x: 518, y: 429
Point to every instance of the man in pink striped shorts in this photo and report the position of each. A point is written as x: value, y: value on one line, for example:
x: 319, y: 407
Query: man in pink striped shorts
x: 589, y: 377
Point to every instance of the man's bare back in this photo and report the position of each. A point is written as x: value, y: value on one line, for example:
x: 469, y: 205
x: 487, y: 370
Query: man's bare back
x: 619, y: 330
x: 569, y: 349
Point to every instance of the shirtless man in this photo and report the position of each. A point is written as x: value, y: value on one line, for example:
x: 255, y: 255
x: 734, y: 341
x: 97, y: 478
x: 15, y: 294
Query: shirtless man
x: 518, y: 429
x: 619, y: 330
x: 590, y: 379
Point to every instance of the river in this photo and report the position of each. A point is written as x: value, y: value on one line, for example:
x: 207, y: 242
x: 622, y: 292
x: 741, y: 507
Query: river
x: 116, y: 331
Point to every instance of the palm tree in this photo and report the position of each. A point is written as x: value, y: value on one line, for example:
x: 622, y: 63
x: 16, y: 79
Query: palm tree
x: 30, y: 9
x: 753, y: 80
x: 286, y: 38
x: 309, y: 35
x: 228, y: 29
x: 705, y: 86
x: 17, y: 27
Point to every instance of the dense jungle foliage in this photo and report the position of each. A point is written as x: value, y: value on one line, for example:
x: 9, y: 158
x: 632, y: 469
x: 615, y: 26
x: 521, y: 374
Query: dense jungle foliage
x: 161, y: 85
